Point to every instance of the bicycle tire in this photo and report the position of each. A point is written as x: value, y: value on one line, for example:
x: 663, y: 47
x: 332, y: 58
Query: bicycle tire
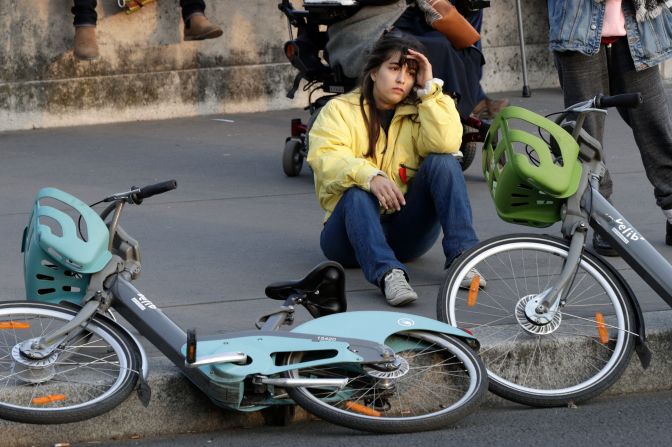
x: 89, y: 376
x: 576, y: 356
x: 406, y: 404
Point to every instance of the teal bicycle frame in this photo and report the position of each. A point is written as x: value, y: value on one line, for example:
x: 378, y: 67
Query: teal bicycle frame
x: 109, y: 260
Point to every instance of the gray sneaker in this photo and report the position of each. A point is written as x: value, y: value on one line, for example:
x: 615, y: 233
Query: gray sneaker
x: 397, y: 290
x: 466, y: 281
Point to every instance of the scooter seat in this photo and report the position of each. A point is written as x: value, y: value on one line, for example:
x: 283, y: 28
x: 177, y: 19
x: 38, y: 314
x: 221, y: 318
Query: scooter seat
x: 322, y: 290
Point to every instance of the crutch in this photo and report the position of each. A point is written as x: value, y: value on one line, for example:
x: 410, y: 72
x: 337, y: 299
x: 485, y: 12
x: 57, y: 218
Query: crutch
x: 526, y: 88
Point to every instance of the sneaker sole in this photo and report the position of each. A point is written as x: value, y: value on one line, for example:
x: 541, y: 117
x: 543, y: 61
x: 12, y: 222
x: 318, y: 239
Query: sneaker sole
x: 401, y: 301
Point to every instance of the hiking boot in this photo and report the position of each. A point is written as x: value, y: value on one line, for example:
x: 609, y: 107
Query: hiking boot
x: 469, y: 277
x: 488, y: 108
x: 602, y: 246
x: 86, y: 47
x: 397, y: 290
x: 668, y: 233
x: 198, y: 27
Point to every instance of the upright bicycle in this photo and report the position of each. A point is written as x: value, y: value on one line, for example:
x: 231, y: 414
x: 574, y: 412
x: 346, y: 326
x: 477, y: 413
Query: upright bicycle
x: 558, y: 323
x: 64, y: 359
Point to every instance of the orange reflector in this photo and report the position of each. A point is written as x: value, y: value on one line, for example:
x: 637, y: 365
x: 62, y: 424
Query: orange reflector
x: 601, y: 328
x: 359, y: 408
x: 48, y: 399
x: 473, y: 291
x: 14, y: 325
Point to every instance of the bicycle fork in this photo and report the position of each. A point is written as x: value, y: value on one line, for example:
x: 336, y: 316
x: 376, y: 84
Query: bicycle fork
x: 43, y: 347
x: 542, y: 309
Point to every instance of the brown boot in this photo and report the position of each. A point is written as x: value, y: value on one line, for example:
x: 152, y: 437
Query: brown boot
x: 198, y: 27
x: 86, y: 47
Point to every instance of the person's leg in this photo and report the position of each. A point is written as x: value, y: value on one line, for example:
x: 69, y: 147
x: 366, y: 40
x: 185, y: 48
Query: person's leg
x: 191, y: 7
x: 85, y: 18
x: 436, y: 198
x: 651, y: 122
x: 485, y: 108
x: 353, y: 235
x: 84, y: 12
x: 476, y: 20
x: 583, y: 77
x: 196, y: 24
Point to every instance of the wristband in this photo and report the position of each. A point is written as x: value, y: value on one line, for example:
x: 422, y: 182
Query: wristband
x: 429, y: 87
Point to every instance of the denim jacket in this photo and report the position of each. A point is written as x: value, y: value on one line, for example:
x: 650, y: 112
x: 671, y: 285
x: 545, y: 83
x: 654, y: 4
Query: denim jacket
x: 576, y: 25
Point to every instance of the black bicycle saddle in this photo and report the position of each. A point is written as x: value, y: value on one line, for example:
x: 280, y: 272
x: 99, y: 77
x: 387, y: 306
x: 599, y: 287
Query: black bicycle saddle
x: 323, y: 288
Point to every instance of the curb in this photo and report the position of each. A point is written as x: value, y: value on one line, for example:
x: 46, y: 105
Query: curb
x: 178, y: 407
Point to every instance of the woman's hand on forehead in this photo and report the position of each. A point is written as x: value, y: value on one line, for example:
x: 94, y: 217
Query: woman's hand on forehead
x: 424, y: 70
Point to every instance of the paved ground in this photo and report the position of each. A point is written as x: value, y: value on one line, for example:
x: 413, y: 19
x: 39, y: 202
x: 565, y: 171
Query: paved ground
x: 236, y: 223
x: 635, y: 419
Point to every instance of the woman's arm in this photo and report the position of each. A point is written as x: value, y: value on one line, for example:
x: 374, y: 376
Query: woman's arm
x: 440, y: 126
x: 331, y: 155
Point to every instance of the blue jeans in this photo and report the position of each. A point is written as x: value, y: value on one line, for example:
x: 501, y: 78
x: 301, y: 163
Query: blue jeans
x: 357, y: 235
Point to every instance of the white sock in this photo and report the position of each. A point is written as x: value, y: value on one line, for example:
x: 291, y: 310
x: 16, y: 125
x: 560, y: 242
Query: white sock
x: 668, y: 215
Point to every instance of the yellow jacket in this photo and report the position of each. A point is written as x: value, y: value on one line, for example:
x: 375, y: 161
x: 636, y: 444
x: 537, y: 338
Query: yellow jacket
x: 339, y: 141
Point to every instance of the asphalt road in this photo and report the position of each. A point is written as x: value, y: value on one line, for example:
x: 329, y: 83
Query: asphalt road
x: 236, y: 223
x: 618, y: 421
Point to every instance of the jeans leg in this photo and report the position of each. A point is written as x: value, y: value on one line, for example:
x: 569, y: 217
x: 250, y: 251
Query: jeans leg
x: 583, y: 77
x: 353, y: 236
x: 651, y: 122
x: 84, y: 12
x: 190, y: 7
x: 436, y: 198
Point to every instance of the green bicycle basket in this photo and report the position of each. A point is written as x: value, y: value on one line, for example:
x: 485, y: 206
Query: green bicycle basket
x: 528, y: 179
x: 60, y: 251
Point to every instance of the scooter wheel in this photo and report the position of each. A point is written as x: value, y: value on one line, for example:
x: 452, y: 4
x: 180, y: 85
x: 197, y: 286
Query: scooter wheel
x: 292, y: 159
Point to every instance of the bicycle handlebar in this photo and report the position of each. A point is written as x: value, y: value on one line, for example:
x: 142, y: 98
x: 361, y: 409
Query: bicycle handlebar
x: 137, y: 194
x: 151, y: 190
x: 630, y: 100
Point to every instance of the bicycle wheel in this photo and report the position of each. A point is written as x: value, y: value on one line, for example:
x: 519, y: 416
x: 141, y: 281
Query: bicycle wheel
x: 439, y: 381
x: 582, y: 351
x: 91, y: 374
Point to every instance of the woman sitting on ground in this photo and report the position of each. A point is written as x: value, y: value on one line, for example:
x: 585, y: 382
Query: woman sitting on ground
x: 385, y: 170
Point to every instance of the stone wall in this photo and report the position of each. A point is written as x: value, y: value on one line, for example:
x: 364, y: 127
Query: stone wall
x: 501, y: 46
x: 147, y: 71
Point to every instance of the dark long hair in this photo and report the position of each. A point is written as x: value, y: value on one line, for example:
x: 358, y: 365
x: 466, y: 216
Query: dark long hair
x: 389, y: 44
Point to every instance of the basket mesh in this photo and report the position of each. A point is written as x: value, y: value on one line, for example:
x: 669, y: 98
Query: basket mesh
x: 529, y: 177
x: 63, y: 244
